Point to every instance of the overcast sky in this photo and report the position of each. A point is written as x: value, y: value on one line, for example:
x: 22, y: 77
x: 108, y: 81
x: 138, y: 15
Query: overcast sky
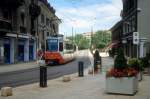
x: 84, y: 14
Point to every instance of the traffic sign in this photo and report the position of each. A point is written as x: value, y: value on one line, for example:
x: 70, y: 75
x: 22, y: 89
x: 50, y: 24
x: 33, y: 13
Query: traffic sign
x: 135, y: 38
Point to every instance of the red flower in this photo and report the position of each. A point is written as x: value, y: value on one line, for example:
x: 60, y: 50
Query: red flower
x: 128, y: 72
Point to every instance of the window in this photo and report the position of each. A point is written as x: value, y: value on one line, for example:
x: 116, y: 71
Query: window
x: 52, y: 45
x: 42, y: 19
x: 6, y: 14
x: 47, y: 21
x: 61, y: 46
x: 47, y: 33
x: 43, y: 35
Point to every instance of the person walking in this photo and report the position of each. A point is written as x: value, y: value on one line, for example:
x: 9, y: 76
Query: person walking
x: 97, y: 60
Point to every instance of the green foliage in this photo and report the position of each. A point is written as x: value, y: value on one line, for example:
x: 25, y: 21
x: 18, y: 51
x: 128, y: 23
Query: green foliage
x: 144, y: 62
x: 134, y: 63
x: 101, y: 39
x: 120, y: 61
x: 83, y: 44
x: 80, y: 41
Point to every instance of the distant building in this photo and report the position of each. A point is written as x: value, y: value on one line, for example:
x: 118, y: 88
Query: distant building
x: 88, y: 35
x: 136, y: 19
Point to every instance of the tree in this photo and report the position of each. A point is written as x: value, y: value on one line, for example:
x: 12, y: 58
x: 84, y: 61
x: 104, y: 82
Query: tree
x: 80, y: 41
x: 120, y: 60
x: 101, y: 39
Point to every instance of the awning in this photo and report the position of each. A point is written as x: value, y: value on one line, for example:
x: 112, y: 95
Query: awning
x: 114, y: 44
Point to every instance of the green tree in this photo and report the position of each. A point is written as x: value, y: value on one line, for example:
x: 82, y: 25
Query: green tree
x: 101, y: 39
x: 80, y: 41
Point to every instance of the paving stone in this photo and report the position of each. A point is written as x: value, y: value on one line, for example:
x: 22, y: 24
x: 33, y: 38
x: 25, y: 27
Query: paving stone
x: 6, y: 91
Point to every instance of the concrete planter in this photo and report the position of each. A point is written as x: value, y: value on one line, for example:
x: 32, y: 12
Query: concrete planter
x: 123, y: 85
x: 140, y: 76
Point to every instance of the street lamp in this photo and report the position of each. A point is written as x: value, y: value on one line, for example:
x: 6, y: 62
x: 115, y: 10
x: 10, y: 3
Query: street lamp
x: 91, y: 45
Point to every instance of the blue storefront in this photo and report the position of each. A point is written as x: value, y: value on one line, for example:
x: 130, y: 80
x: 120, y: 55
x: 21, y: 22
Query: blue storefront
x: 31, y: 50
x: 6, y: 46
x: 21, y: 49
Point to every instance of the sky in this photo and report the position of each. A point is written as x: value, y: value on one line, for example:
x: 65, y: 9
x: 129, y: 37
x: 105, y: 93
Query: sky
x: 85, y: 15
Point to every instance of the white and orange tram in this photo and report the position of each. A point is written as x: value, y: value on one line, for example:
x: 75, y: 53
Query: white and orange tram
x: 58, y: 51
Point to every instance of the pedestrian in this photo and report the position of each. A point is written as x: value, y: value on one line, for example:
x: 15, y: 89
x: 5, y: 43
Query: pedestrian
x: 97, y: 60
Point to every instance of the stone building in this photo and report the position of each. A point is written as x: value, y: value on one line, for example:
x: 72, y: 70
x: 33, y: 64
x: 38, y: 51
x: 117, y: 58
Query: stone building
x: 48, y: 22
x: 136, y: 19
x: 18, y: 21
x: 116, y: 40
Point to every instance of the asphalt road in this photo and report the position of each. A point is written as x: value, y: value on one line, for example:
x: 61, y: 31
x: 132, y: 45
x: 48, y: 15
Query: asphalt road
x: 28, y: 76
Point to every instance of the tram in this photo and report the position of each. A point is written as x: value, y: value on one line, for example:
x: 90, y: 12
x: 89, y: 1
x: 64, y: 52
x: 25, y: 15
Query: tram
x: 58, y: 50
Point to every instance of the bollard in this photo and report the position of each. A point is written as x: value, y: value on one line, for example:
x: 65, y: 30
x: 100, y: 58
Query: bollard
x: 43, y: 76
x: 81, y: 69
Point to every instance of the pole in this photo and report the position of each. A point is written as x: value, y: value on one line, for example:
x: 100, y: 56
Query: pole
x: 91, y: 36
x: 72, y: 34
x: 137, y: 51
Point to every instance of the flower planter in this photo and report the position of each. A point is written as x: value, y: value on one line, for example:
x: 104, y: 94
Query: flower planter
x: 122, y: 85
x: 140, y: 74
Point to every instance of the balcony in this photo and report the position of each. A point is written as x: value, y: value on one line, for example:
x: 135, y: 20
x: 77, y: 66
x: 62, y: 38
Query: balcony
x: 5, y: 26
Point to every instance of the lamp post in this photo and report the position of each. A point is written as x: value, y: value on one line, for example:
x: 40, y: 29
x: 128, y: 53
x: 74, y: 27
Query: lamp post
x: 92, y: 30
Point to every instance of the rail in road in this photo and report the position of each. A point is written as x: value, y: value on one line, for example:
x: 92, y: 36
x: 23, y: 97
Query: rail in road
x: 23, y: 77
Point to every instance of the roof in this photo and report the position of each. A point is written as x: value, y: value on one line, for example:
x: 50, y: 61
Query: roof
x: 119, y: 23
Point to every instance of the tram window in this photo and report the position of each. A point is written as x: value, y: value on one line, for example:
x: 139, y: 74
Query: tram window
x: 52, y: 45
x: 61, y: 46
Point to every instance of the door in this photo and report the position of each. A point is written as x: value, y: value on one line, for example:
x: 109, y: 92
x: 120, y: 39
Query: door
x: 7, y: 53
x: 31, y: 52
x: 20, y: 53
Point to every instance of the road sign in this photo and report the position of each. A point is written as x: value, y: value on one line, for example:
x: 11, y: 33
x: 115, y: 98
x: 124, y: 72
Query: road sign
x: 135, y: 38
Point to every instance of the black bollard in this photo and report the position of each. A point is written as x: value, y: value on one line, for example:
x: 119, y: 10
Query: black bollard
x: 81, y: 69
x: 43, y: 76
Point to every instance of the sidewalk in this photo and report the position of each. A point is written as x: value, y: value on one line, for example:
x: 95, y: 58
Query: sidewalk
x: 16, y: 67
x: 88, y: 87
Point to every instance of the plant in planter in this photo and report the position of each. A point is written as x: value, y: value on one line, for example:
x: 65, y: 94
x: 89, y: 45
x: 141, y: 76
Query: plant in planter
x: 121, y: 79
x: 137, y: 65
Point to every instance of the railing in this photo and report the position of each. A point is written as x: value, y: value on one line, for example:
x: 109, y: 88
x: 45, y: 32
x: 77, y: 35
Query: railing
x: 5, y: 25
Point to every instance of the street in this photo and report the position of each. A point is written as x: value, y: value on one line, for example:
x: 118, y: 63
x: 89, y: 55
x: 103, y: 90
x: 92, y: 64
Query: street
x: 28, y: 76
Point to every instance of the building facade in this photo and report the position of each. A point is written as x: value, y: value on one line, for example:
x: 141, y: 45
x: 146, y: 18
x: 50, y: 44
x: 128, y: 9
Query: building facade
x: 24, y: 26
x: 48, y: 23
x: 17, y: 22
x: 135, y: 19
x: 116, y: 38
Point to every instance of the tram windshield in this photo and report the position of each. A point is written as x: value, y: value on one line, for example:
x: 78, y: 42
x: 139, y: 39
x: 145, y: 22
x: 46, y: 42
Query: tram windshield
x: 52, y: 45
